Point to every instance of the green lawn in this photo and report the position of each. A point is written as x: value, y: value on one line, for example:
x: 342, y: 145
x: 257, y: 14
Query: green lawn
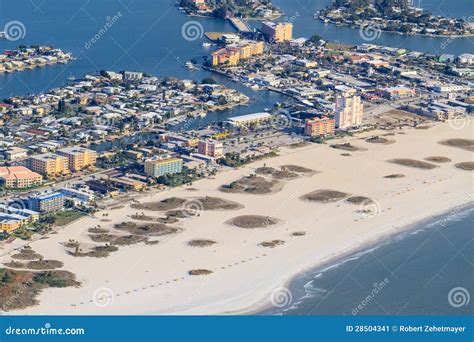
x: 63, y: 218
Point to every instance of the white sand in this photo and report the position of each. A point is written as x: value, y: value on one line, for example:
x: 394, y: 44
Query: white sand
x: 251, y: 272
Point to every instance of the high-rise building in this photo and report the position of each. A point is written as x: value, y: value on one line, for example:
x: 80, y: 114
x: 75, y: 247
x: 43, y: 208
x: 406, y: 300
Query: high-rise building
x: 157, y: 167
x: 319, y: 127
x: 49, y: 164
x: 78, y: 157
x: 211, y: 148
x: 349, y: 110
x: 278, y: 33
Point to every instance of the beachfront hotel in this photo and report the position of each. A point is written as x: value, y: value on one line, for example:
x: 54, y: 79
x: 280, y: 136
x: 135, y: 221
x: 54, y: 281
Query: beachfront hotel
x: 78, y: 157
x: 19, y: 177
x: 319, y: 127
x: 157, y: 166
x: 349, y: 110
x: 211, y: 148
x: 49, y: 164
x: 12, y: 218
x: 277, y: 33
x: 46, y: 202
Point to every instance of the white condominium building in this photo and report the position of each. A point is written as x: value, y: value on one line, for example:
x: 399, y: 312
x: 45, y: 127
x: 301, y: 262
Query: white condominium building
x: 349, y: 110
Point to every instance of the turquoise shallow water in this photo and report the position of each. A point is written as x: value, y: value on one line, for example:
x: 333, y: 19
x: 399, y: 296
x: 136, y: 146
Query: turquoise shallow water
x: 411, y: 273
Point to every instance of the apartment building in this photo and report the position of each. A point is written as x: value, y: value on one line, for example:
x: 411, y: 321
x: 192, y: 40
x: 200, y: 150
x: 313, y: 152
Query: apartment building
x: 232, y: 54
x: 319, y: 127
x: 16, y: 153
x: 211, y: 148
x: 46, y: 202
x: 49, y: 164
x: 78, y: 157
x: 157, y: 167
x: 277, y: 32
x: 349, y: 110
x: 19, y: 177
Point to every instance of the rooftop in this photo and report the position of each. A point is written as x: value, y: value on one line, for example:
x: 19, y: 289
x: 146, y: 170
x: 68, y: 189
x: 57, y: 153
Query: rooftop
x: 17, y: 172
x: 47, y: 156
x: 75, y: 150
x: 250, y: 117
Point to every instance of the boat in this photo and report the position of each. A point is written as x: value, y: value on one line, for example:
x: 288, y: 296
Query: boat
x: 190, y: 65
x: 206, y: 45
x: 71, y: 78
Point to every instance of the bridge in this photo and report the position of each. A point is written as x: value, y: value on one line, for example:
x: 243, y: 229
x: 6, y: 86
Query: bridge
x: 241, y: 25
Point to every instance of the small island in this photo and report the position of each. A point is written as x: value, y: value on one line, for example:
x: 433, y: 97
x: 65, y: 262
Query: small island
x: 23, y: 58
x: 257, y: 9
x: 393, y: 16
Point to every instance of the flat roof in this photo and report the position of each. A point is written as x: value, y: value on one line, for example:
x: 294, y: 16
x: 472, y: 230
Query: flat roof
x: 47, y: 196
x: 249, y: 117
x: 47, y: 156
x: 75, y: 150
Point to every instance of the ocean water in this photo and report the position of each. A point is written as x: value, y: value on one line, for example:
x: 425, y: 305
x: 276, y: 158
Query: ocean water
x: 145, y: 36
x: 148, y: 36
x: 426, y: 270
x: 301, y: 13
x: 421, y: 266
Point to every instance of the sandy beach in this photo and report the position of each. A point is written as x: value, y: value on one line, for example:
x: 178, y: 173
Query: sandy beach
x: 248, y: 264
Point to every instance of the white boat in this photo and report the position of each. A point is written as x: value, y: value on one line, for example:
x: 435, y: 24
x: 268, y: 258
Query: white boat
x: 206, y: 45
x: 190, y: 65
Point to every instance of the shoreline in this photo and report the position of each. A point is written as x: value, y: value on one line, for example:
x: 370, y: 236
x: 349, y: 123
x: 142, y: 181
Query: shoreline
x: 361, y: 27
x: 342, y: 256
x: 244, y: 273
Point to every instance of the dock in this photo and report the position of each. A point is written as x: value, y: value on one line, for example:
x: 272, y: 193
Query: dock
x: 215, y: 36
